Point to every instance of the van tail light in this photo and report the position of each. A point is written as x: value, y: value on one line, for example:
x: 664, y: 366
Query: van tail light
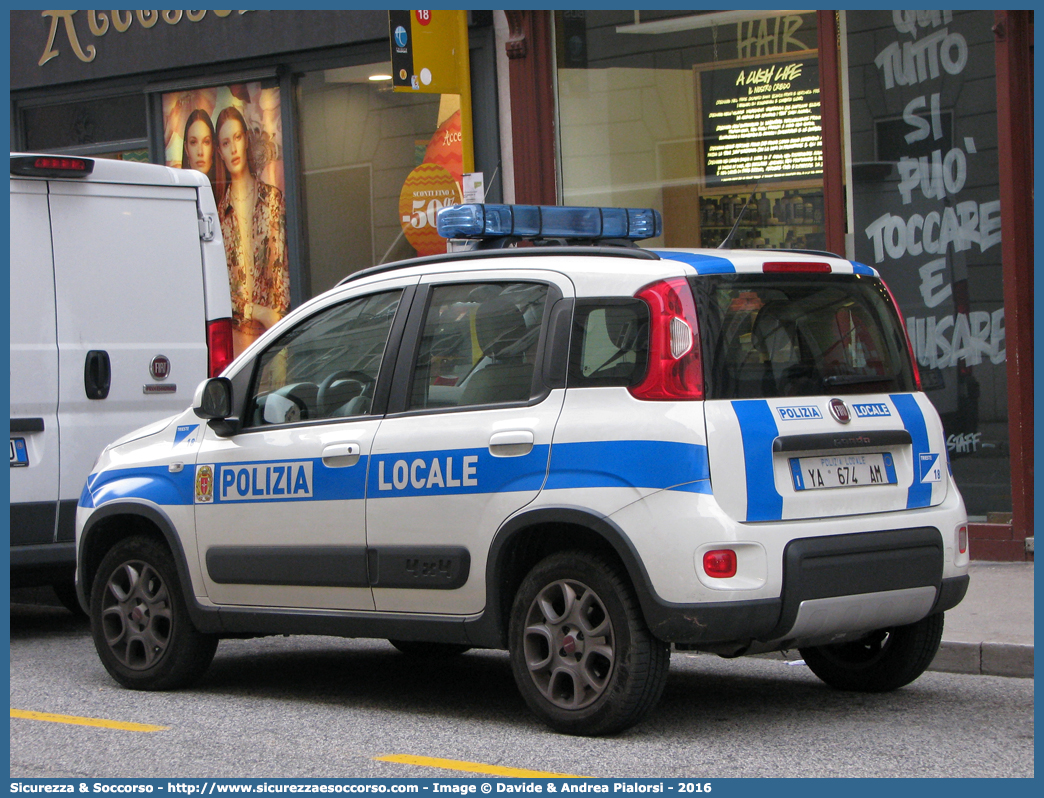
x: 909, y: 340
x: 675, y: 370
x: 962, y: 539
x: 720, y: 564
x: 219, y: 346
x: 50, y: 166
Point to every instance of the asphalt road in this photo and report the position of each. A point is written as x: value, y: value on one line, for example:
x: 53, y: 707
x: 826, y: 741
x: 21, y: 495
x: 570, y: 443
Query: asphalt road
x: 322, y: 707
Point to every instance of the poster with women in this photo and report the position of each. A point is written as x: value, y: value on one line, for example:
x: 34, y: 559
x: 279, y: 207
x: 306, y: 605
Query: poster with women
x: 233, y: 135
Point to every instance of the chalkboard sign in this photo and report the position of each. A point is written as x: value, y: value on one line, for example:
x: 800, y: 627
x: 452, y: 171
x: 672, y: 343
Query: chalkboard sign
x: 762, y: 122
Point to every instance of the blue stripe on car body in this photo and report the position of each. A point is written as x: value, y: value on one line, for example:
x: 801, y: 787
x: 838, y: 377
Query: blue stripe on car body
x: 663, y: 465
x: 758, y: 429
x: 920, y: 494
x: 703, y: 264
x: 156, y: 484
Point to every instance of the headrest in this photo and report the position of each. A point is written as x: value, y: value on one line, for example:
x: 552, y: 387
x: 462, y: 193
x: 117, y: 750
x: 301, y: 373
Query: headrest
x: 499, y: 325
x: 773, y: 330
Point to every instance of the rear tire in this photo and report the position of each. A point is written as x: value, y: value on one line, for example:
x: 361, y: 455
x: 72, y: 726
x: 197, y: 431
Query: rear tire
x: 581, y: 653
x: 140, y: 621
x: 884, y: 660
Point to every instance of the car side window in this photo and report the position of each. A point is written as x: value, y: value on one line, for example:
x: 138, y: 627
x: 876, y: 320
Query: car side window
x: 610, y: 343
x: 478, y: 345
x: 326, y: 366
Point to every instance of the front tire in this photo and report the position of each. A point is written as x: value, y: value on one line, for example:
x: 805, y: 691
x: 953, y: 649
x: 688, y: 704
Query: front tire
x: 581, y: 653
x: 140, y: 621
x: 883, y: 660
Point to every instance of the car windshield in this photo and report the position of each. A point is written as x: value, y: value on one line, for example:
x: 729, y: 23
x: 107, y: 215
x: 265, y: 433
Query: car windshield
x: 770, y: 335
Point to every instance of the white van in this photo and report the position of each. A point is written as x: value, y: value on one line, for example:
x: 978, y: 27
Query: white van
x: 119, y: 308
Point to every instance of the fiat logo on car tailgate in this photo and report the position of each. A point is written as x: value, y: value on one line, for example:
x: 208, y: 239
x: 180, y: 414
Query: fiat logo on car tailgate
x: 839, y: 410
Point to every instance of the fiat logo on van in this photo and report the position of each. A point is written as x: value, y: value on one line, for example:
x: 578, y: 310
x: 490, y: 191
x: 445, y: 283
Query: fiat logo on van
x: 839, y: 410
x: 159, y: 368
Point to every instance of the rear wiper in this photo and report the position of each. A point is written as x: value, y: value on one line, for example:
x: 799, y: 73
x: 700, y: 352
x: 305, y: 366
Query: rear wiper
x: 853, y: 379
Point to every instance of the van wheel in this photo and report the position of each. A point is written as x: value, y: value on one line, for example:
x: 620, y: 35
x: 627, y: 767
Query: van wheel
x: 581, y: 654
x: 884, y: 660
x: 140, y: 622
x: 421, y: 648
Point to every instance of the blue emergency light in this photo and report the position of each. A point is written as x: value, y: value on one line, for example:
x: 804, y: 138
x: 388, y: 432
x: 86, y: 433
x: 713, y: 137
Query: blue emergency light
x: 548, y: 221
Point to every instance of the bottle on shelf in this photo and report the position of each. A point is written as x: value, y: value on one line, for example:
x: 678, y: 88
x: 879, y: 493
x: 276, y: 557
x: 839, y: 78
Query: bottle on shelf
x: 764, y: 208
x: 799, y: 208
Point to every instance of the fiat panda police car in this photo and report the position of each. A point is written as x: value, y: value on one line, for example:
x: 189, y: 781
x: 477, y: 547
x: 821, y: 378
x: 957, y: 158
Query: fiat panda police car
x: 579, y: 451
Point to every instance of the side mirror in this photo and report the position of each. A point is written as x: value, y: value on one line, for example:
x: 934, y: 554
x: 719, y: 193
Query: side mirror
x: 213, y: 398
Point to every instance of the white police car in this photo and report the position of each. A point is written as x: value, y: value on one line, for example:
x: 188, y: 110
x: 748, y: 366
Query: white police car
x: 581, y: 452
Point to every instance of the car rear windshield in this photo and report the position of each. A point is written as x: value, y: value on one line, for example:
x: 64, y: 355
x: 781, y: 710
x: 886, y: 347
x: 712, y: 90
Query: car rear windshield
x: 772, y: 335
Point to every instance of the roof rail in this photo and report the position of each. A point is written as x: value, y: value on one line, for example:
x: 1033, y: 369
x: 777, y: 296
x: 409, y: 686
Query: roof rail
x: 481, y: 254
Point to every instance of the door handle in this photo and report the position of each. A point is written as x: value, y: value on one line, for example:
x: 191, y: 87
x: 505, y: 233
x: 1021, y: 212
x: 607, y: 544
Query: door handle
x: 341, y: 455
x: 511, y: 443
x: 97, y: 374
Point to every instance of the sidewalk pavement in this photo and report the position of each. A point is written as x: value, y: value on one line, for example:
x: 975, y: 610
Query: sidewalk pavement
x: 991, y: 631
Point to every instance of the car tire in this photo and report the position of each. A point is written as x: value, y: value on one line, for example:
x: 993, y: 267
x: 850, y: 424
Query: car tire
x: 581, y: 653
x: 426, y: 650
x: 883, y: 660
x: 140, y: 621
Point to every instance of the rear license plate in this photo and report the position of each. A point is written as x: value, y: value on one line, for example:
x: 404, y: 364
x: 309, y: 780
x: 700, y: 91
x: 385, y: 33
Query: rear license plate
x: 19, y: 455
x: 842, y: 471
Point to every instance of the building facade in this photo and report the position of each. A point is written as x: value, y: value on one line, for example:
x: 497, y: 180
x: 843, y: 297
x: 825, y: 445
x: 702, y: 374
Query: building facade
x: 900, y: 139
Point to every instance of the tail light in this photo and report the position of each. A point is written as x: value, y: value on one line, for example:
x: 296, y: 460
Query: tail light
x: 962, y: 539
x: 675, y: 369
x: 720, y: 564
x: 50, y: 166
x: 219, y: 346
x: 780, y: 266
x: 909, y: 340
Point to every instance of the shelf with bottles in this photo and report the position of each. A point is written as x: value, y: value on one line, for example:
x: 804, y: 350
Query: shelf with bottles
x: 784, y: 218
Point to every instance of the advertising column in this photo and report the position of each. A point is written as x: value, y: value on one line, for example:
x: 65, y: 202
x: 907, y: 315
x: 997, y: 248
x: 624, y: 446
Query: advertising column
x: 925, y: 199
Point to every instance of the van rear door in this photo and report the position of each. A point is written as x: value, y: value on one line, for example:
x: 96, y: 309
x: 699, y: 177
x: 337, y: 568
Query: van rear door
x: 34, y: 371
x: 130, y: 309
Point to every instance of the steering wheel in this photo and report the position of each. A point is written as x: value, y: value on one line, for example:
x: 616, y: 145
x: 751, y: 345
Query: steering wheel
x: 364, y: 380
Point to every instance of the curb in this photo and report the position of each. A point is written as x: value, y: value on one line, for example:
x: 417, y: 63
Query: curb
x: 985, y: 659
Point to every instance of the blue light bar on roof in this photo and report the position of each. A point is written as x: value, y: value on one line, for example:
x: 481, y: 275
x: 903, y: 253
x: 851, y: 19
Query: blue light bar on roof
x: 548, y: 221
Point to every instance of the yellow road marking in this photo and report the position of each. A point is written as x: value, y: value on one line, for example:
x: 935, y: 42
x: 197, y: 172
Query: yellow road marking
x: 471, y: 767
x: 104, y: 724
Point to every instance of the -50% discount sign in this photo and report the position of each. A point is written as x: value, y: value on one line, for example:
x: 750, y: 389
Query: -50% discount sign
x: 427, y: 190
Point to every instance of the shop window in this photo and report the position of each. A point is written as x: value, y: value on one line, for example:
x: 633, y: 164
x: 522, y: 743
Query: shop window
x: 711, y: 118
x: 85, y: 124
x: 360, y: 144
x: 233, y: 134
x: 924, y: 200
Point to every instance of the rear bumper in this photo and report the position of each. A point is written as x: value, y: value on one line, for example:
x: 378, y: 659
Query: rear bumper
x: 833, y: 585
